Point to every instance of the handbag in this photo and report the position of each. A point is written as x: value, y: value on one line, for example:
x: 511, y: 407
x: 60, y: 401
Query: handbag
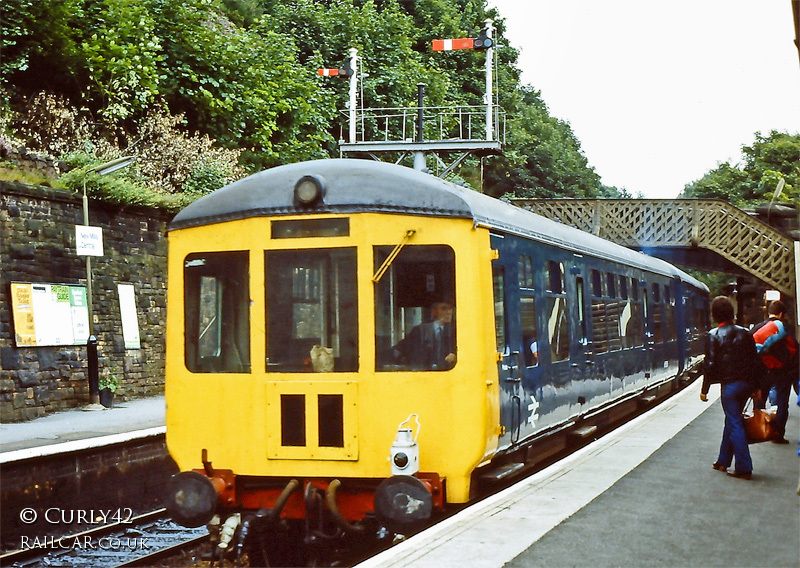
x: 758, y: 424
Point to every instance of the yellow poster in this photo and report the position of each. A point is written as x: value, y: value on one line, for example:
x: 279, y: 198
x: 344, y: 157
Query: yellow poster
x: 22, y: 306
x: 49, y: 314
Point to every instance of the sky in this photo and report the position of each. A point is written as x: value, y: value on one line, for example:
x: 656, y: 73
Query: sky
x: 659, y: 93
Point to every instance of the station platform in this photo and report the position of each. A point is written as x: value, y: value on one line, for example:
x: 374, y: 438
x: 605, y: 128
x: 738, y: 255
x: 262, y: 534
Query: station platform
x: 82, y: 428
x: 643, y: 495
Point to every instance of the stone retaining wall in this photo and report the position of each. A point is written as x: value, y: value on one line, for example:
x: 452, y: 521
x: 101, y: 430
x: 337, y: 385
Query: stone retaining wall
x: 37, y: 244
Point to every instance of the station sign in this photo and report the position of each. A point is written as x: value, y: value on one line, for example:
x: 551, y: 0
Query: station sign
x: 88, y: 240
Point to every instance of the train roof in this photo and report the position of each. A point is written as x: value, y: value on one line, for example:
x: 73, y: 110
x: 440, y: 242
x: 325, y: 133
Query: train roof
x: 354, y: 186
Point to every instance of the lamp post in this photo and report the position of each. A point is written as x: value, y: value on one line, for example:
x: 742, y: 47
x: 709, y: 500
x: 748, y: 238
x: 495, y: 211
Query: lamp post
x: 91, y: 344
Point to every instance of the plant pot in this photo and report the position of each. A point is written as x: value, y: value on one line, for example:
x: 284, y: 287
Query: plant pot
x: 107, y: 397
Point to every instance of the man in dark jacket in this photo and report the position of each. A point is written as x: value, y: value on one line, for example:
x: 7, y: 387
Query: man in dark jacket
x: 730, y: 360
x: 431, y: 346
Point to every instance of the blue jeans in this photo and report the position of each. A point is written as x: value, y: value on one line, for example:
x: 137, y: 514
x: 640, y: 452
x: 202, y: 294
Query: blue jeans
x: 734, y: 441
x: 782, y: 391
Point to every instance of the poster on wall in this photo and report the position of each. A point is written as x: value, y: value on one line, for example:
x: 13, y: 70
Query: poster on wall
x: 49, y: 314
x: 130, y: 323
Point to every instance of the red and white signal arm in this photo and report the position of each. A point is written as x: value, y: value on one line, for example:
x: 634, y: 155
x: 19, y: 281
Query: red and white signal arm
x: 328, y: 72
x: 453, y: 44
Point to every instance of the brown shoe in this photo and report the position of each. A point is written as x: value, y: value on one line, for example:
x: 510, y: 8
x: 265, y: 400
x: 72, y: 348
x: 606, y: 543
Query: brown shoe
x: 719, y: 467
x: 741, y: 474
x: 780, y: 441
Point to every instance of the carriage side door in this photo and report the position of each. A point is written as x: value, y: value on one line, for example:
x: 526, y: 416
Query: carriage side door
x: 508, y: 364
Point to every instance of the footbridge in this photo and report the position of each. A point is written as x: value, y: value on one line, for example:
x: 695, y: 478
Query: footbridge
x: 700, y: 233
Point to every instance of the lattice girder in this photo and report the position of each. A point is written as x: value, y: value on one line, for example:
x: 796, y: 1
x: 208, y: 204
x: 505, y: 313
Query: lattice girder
x: 681, y: 223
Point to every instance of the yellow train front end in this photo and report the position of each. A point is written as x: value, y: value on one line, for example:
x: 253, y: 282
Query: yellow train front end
x: 290, y: 391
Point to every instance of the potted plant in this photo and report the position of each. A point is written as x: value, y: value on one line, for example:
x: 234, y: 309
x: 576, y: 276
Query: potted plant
x: 108, y: 384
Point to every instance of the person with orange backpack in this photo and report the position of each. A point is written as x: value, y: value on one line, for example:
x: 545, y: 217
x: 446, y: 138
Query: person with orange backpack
x: 778, y: 351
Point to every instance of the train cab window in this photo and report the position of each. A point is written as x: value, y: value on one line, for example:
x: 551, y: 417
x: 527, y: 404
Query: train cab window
x: 312, y: 312
x: 217, y: 312
x: 415, y: 310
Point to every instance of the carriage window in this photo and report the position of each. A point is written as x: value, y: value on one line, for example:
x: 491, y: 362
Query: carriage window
x: 498, y: 288
x: 657, y: 311
x: 670, y: 333
x: 525, y: 268
x: 581, y: 309
x: 530, y: 341
x: 217, y: 319
x: 415, y: 309
x: 614, y: 314
x: 634, y: 290
x: 312, y: 315
x: 623, y: 287
x: 632, y: 319
x: 558, y: 328
x: 555, y: 277
x: 611, y: 281
x: 599, y: 331
x: 597, y: 284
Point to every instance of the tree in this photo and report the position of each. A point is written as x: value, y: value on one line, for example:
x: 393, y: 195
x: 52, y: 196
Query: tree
x: 243, y: 73
x: 765, y: 162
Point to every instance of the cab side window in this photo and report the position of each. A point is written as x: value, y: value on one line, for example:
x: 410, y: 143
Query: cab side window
x: 217, y: 312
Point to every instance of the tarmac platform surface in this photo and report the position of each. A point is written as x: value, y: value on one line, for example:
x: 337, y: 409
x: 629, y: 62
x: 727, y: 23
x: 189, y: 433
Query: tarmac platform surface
x: 71, y: 429
x: 643, y: 495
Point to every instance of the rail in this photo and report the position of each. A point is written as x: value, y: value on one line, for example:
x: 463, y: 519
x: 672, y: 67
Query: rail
x: 399, y: 124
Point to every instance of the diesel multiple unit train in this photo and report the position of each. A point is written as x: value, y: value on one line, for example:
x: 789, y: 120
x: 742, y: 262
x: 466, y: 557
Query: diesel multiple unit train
x: 289, y: 402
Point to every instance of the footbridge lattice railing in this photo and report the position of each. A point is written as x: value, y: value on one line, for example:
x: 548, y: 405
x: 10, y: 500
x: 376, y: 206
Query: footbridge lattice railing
x: 682, y: 223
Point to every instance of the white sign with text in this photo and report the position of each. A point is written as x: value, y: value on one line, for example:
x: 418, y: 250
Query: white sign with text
x: 88, y: 240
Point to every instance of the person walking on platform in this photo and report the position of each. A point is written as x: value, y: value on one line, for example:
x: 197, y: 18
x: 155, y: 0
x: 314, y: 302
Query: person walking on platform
x: 778, y: 351
x: 730, y: 359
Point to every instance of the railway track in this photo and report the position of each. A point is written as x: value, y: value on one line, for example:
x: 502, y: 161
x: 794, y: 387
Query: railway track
x: 139, y: 541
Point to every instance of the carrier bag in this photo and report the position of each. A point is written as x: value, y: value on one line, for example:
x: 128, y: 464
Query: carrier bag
x: 758, y: 425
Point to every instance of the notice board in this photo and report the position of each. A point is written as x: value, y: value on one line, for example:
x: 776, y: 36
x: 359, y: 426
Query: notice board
x: 49, y: 314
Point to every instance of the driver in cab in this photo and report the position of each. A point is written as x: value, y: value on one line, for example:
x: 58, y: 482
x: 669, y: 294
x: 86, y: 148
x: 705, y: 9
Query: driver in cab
x: 431, y: 345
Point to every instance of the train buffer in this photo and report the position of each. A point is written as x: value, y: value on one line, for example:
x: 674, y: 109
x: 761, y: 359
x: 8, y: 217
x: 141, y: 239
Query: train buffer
x: 643, y: 495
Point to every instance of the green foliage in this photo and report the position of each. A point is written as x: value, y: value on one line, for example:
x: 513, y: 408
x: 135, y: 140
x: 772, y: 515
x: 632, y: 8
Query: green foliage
x: 118, y: 188
x: 121, y: 54
x: 765, y: 162
x: 49, y: 124
x: 108, y: 380
x: 168, y: 158
x: 241, y: 75
x: 15, y: 17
